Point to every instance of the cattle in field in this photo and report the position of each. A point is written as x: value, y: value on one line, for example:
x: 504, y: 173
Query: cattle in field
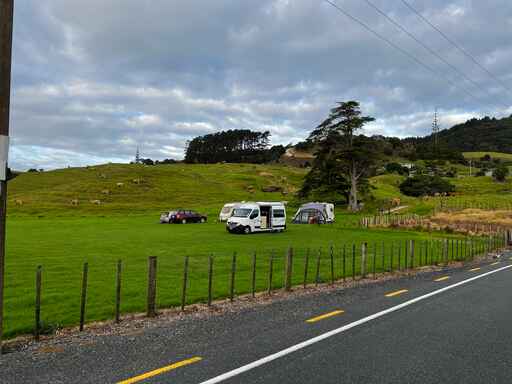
x: 75, y: 202
x: 395, y: 202
x: 120, y: 185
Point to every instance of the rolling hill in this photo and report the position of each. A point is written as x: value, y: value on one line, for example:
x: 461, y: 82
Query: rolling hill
x: 162, y: 187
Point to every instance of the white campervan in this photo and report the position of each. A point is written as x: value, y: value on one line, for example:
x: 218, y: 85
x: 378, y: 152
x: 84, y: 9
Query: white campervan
x: 257, y: 217
x: 227, y: 210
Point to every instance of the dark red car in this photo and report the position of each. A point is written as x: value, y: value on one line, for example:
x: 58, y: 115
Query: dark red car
x: 182, y: 216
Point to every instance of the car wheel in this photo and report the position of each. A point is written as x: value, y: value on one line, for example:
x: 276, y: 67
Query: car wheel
x: 247, y: 230
x: 202, y: 220
x: 184, y: 221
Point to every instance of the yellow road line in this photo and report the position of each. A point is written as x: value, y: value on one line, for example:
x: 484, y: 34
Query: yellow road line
x: 442, y: 278
x: 327, y: 315
x: 396, y: 293
x: 159, y: 371
x: 496, y: 263
x: 474, y: 269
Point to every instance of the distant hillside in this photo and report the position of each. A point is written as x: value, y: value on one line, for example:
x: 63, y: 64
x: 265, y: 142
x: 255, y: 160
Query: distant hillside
x: 478, y: 135
x: 163, y: 187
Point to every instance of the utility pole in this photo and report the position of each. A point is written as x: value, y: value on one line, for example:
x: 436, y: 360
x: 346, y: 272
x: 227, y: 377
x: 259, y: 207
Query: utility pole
x: 6, y: 22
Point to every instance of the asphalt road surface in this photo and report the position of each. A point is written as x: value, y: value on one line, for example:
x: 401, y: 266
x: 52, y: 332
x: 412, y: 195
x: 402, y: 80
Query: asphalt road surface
x: 453, y: 326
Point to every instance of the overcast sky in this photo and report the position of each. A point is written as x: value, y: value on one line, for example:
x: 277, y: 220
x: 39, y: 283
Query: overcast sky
x: 92, y: 79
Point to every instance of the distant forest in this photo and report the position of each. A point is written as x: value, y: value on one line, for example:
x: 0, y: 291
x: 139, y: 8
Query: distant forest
x: 477, y: 135
x: 233, y: 146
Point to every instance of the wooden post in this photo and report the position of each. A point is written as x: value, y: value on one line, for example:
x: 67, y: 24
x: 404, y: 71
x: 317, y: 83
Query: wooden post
x: 210, y: 279
x: 344, y: 262
x: 232, y: 283
x: 399, y: 255
x: 118, y: 291
x: 445, y: 251
x: 383, y: 257
x: 151, y: 304
x: 412, y: 253
x: 317, y: 275
x: 37, y: 329
x: 353, y: 261
x: 332, y: 264
x: 406, y: 255
x: 185, y: 283
x: 289, y: 266
x: 306, y: 267
x: 364, y: 250
x: 392, y: 256
x: 270, y: 272
x: 84, y: 295
x: 374, y: 260
x: 253, y: 281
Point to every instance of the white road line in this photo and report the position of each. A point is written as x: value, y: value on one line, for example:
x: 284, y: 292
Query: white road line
x: 336, y: 331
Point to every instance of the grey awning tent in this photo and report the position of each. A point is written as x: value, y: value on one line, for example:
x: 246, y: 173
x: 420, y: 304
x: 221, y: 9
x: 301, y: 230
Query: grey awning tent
x: 311, y: 213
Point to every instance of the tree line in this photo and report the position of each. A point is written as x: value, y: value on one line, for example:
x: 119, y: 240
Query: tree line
x: 233, y: 146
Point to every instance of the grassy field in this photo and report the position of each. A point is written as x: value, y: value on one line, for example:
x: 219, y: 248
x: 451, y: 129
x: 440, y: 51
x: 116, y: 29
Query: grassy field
x: 201, y: 187
x: 61, y: 245
x: 46, y: 230
x: 494, y: 155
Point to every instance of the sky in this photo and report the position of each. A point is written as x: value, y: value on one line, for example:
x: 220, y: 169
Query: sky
x: 94, y: 79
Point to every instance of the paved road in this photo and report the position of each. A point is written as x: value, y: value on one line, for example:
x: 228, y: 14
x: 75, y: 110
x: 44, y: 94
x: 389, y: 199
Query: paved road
x: 460, y: 335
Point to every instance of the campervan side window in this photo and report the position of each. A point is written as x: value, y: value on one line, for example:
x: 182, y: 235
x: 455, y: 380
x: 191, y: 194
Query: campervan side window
x: 242, y: 212
x: 279, y: 213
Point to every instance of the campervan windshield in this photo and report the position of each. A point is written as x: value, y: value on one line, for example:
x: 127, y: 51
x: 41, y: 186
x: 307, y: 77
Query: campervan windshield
x: 241, y: 212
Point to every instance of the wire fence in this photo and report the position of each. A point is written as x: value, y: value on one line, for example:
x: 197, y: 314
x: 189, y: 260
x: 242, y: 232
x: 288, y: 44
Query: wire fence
x: 165, y: 284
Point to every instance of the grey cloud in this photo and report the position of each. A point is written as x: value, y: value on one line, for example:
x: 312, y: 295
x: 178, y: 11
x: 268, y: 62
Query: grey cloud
x: 94, y: 79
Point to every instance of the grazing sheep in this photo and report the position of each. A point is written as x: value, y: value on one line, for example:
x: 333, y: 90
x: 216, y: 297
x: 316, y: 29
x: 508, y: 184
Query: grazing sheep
x: 75, y: 202
x: 103, y: 176
x: 137, y: 181
x: 19, y: 202
x: 120, y: 185
x: 106, y: 192
x: 96, y: 202
x: 395, y: 202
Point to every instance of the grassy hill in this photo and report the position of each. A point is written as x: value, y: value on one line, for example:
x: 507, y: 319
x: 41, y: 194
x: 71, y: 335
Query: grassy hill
x: 494, y: 155
x: 201, y: 187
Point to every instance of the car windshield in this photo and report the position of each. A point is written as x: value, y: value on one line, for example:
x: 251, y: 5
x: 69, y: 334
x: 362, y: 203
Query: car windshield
x: 242, y: 212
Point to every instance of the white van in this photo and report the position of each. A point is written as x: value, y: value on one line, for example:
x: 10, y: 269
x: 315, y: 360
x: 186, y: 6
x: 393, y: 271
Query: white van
x: 227, y: 210
x: 257, y: 217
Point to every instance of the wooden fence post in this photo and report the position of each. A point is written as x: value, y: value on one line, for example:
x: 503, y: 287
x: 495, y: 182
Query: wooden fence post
x: 412, y: 244
x: 364, y: 248
x: 232, y: 282
x: 253, y: 281
x: 84, y: 295
x: 185, y: 283
x: 289, y: 266
x: 37, y: 329
x: 151, y: 304
x: 332, y: 264
x: 353, y: 262
x: 118, y: 291
x: 344, y: 262
x: 445, y: 251
x: 270, y: 272
x: 306, y: 267
x: 210, y: 279
x: 317, y: 275
x: 374, y: 260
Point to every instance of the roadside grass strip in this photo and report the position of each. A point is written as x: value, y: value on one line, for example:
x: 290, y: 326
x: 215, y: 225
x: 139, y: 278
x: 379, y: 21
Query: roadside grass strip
x: 396, y: 293
x: 474, y: 269
x: 305, y: 344
x: 442, y: 278
x: 160, y: 371
x: 325, y: 316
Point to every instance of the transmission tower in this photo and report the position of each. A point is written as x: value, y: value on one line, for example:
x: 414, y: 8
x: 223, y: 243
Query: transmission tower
x: 137, y: 156
x: 435, y: 131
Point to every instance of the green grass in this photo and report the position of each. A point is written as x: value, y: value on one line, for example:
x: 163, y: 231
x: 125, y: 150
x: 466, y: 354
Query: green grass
x: 202, y: 187
x: 46, y: 230
x: 62, y: 245
x: 494, y: 155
